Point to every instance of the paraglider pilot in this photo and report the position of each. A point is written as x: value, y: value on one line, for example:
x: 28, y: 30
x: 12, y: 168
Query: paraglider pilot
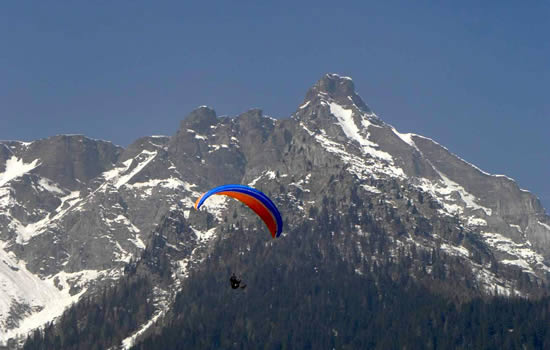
x: 235, y: 282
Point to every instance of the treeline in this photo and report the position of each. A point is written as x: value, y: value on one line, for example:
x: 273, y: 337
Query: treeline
x: 98, y: 322
x: 308, y: 308
x: 304, y: 292
x: 321, y: 287
x: 102, y: 320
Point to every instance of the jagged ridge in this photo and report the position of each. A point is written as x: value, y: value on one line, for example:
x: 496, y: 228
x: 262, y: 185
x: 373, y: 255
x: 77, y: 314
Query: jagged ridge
x: 333, y: 146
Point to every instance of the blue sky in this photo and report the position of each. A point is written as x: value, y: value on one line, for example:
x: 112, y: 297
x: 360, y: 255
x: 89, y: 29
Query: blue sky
x: 473, y: 75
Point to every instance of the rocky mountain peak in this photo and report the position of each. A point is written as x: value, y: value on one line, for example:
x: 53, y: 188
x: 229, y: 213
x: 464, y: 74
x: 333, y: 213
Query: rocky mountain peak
x: 253, y: 118
x: 335, y: 85
x: 254, y: 113
x: 75, y: 212
x: 335, y: 88
x: 200, y: 119
x: 68, y: 160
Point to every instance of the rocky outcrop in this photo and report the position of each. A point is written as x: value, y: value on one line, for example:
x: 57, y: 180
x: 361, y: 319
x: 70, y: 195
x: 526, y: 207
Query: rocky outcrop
x: 75, y: 211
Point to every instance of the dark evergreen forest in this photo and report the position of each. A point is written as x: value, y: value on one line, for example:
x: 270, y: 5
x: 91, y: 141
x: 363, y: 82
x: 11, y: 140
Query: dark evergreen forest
x: 335, y: 312
x: 302, y: 293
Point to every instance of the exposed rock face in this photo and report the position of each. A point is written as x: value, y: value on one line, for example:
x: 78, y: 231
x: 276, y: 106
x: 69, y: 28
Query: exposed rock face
x: 507, y: 218
x: 74, y: 211
x: 72, y: 160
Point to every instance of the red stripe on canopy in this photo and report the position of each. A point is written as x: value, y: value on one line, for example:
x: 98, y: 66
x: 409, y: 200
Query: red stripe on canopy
x: 257, y: 206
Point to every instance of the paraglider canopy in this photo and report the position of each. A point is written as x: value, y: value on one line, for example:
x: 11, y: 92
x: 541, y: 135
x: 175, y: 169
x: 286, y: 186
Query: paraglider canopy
x: 255, y: 200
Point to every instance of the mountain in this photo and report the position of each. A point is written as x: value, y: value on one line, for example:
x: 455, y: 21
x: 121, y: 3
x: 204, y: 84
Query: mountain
x: 87, y: 220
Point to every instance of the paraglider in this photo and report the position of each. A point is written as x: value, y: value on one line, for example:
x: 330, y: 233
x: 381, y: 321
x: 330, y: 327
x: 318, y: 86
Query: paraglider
x: 255, y: 200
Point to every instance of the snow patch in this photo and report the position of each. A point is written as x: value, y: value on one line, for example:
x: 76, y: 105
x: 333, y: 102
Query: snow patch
x: 204, y: 235
x: 271, y: 175
x: 300, y: 184
x: 6, y: 198
x: 215, y: 205
x: 407, y: 138
x: 467, y: 197
x: 521, y: 263
x: 148, y: 156
x: 197, y: 135
x: 544, y: 225
x: 170, y: 183
x: 473, y: 221
x: 492, y: 284
x: 15, y: 168
x: 455, y: 250
x: 130, y: 341
x: 345, y: 119
x: 253, y: 182
x: 123, y: 220
x: 121, y: 254
x: 369, y: 168
x: 445, y: 189
x: 47, y: 297
x: 370, y: 188
x: 334, y: 75
x: 216, y: 147
x: 120, y: 175
x: 26, y: 232
x: 138, y: 242
x: 525, y: 256
x: 50, y: 186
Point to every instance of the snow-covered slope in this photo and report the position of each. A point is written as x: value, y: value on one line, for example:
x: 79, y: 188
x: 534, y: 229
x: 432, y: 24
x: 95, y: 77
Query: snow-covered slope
x: 75, y: 211
x: 509, y: 220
